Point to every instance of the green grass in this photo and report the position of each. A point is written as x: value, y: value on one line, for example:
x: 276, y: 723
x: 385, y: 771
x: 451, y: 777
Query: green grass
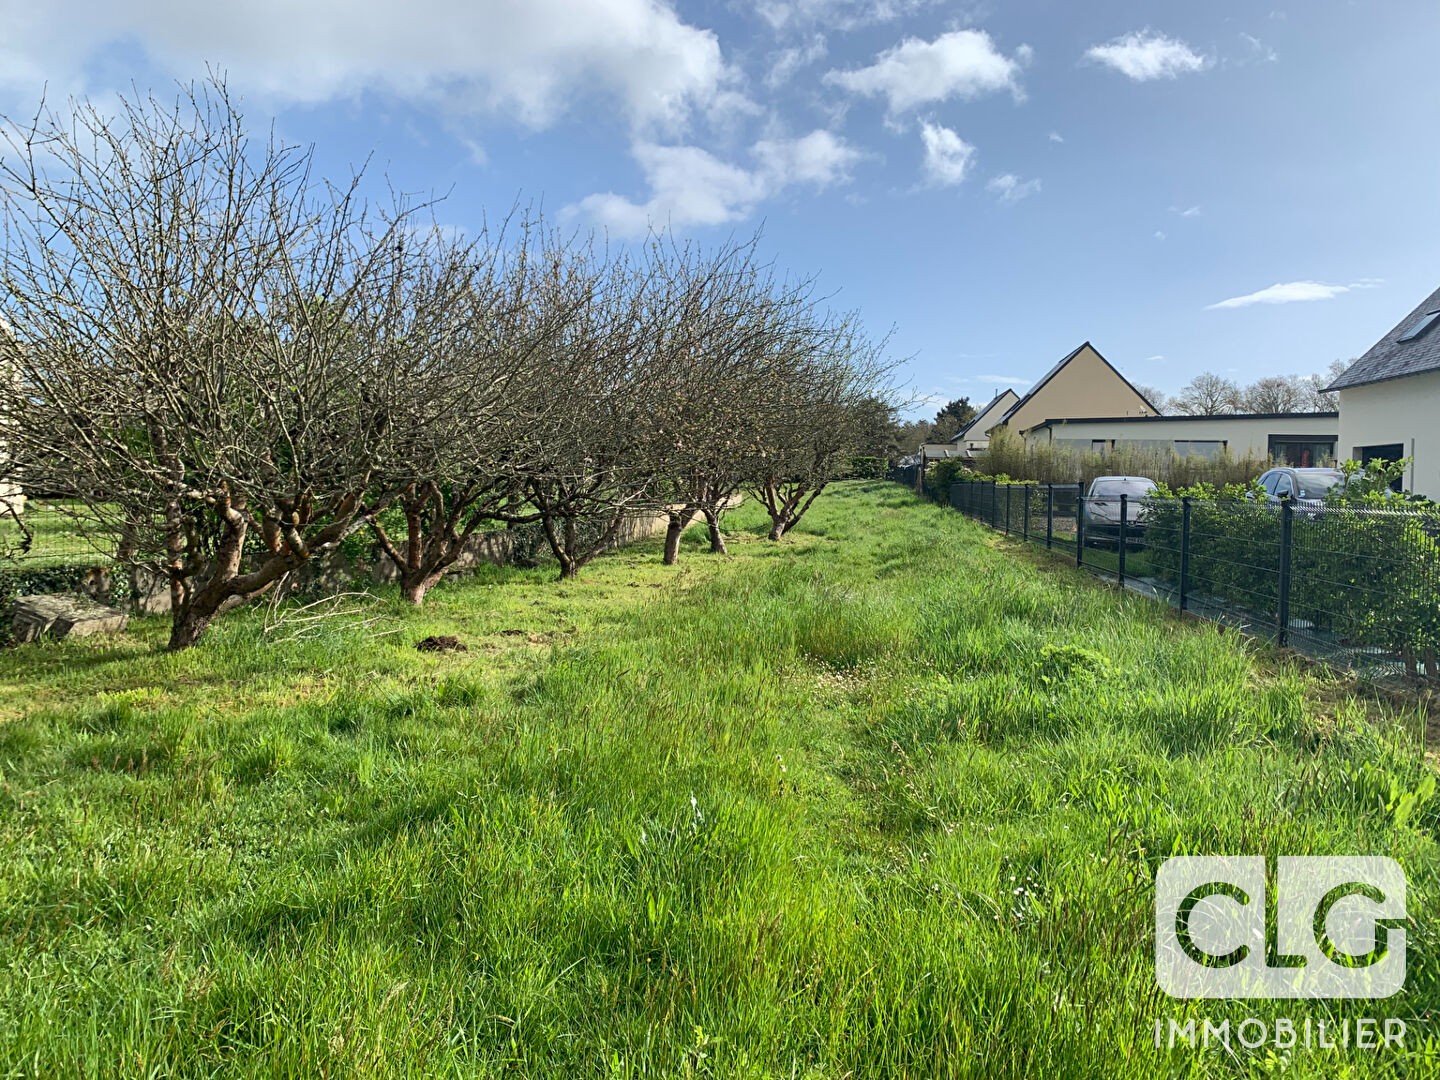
x: 883, y: 800
x: 57, y: 536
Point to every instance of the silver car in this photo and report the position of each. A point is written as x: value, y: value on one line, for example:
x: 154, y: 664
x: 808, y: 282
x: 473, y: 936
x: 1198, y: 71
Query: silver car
x: 1102, y: 508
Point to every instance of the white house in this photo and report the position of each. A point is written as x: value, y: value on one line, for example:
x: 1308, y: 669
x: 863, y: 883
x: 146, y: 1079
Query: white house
x: 973, y: 438
x: 1294, y: 438
x: 1390, y: 399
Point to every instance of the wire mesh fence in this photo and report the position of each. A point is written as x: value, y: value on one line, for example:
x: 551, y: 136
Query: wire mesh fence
x: 51, y: 532
x: 1356, y: 586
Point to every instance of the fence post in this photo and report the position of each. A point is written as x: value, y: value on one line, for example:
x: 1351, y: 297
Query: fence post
x: 1184, y: 552
x: 1007, y: 509
x: 1124, y: 540
x: 1025, y: 528
x: 1049, y: 515
x: 1080, y: 523
x: 994, y: 502
x: 1287, y: 517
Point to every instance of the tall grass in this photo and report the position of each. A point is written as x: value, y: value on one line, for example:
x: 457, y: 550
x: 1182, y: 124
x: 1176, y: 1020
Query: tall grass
x: 1009, y: 455
x: 879, y: 801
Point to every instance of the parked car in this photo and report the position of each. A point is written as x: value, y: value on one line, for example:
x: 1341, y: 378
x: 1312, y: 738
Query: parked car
x: 1307, y: 487
x: 1102, y: 508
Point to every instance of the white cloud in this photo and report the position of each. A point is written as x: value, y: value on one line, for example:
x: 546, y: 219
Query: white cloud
x: 1146, y: 55
x: 1189, y: 211
x: 527, y: 59
x: 1001, y: 380
x: 818, y: 159
x: 1258, y: 49
x: 839, y: 15
x: 1159, y: 235
x: 1291, y: 292
x: 787, y: 62
x: 1056, y: 137
x: 1010, y: 188
x: 947, y: 155
x: 1157, y: 356
x: 689, y: 186
x: 962, y: 63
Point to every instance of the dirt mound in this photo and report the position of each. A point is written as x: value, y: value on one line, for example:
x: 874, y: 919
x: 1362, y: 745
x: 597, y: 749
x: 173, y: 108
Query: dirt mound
x: 444, y: 643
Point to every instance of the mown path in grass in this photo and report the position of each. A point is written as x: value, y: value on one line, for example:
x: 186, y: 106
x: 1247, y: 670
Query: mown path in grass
x: 885, y: 799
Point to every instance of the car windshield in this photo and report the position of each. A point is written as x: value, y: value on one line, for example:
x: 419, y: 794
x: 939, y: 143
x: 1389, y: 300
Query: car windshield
x: 1115, y: 488
x: 1315, y: 485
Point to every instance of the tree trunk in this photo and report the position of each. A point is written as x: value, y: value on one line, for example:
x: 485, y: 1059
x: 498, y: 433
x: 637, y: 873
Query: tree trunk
x: 186, y: 628
x: 717, y: 538
x: 777, y: 528
x: 413, y: 591
x: 672, y: 539
x: 680, y: 520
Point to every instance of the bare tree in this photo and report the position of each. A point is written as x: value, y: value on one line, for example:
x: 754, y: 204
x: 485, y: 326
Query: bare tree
x: 592, y: 463
x: 1275, y: 394
x: 1207, y: 394
x: 726, y: 328
x: 484, y: 313
x: 1314, y: 397
x: 1158, y: 398
x: 815, y: 418
x: 200, y: 340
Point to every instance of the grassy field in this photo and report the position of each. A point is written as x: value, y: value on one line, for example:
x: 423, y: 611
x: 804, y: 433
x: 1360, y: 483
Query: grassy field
x: 56, y: 537
x: 882, y: 800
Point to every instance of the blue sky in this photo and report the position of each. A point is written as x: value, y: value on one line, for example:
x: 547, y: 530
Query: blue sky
x: 998, y: 182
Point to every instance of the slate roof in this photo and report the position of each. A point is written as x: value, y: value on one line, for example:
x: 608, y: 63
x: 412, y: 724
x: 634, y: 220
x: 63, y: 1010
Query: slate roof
x: 1391, y: 358
x: 990, y: 408
x: 1179, y: 417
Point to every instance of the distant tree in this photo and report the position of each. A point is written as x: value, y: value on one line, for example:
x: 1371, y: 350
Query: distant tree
x: 879, y: 430
x: 909, y: 437
x: 1207, y: 394
x: 1315, y: 398
x: 1274, y: 394
x: 951, y: 420
x: 1156, y: 397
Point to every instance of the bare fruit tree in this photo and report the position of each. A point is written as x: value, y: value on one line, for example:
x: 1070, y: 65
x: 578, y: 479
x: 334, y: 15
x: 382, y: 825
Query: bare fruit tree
x: 478, y: 390
x: 816, y: 417
x: 201, y: 334
x: 591, y: 463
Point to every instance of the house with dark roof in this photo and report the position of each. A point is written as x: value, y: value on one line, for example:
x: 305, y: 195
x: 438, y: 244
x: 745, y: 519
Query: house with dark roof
x: 1083, y: 384
x: 972, y: 438
x: 1299, y: 439
x: 1390, y: 399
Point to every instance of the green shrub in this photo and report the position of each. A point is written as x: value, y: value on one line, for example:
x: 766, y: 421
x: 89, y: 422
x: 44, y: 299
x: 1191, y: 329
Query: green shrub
x: 1362, y: 568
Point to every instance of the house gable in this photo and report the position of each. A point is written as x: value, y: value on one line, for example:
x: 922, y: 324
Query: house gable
x: 1082, y: 384
x: 987, y: 417
x: 1412, y: 347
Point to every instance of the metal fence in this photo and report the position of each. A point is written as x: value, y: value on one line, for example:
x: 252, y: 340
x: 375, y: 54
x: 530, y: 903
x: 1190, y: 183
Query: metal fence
x: 1356, y: 586
x: 50, y: 532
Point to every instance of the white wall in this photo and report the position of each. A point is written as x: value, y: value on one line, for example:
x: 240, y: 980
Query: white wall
x: 1406, y: 411
x: 1241, y: 436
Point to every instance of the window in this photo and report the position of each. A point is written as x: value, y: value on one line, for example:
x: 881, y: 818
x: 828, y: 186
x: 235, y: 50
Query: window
x: 1418, y: 330
x: 1382, y: 452
x: 1136, y: 488
x: 1315, y: 484
x: 1284, y: 488
x: 1269, y: 480
x: 1099, y: 446
x: 1302, y: 451
x: 1201, y: 448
